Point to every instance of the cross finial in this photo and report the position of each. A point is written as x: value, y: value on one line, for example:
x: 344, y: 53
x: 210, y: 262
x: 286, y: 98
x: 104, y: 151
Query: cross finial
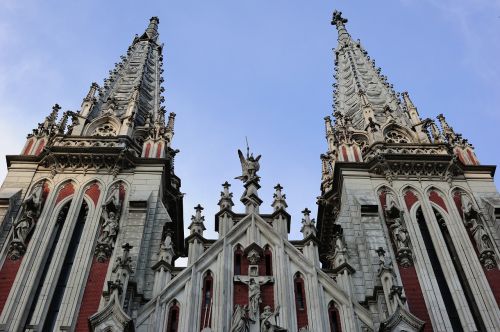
x: 306, y: 212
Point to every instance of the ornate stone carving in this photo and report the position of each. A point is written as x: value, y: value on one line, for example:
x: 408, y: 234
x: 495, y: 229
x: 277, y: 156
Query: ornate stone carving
x: 240, y: 322
x: 23, y: 226
x: 398, y: 168
x: 111, y: 214
x: 111, y: 163
x: 254, y: 292
x: 402, y: 242
x: 249, y: 167
x: 268, y: 321
x: 394, y: 136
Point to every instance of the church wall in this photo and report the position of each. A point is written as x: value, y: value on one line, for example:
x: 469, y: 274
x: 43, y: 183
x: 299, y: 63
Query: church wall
x: 361, y: 236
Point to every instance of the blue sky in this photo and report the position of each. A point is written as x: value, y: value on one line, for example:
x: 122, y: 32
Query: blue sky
x: 261, y: 69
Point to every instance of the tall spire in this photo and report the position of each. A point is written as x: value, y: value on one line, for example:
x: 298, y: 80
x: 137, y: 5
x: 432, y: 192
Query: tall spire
x: 133, y: 87
x: 359, y: 82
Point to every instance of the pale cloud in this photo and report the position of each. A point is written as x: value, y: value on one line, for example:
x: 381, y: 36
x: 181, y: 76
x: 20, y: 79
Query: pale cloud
x: 477, y: 22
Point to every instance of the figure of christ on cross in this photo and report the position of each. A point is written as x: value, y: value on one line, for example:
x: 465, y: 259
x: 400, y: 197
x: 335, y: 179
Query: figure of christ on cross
x: 254, y: 293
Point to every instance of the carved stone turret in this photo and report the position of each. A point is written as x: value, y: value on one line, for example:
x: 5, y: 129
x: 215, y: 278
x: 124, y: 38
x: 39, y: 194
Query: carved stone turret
x: 195, y: 240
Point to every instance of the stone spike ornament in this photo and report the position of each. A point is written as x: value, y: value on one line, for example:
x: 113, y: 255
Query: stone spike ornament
x: 226, y: 197
x: 279, y: 199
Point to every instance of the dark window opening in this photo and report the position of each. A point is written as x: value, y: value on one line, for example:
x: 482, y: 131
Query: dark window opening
x: 208, y: 293
x: 476, y: 315
x: 438, y: 273
x: 300, y: 296
x: 237, y: 263
x: 61, y: 217
x: 173, y: 319
x: 333, y: 315
x: 62, y: 280
x: 269, y: 263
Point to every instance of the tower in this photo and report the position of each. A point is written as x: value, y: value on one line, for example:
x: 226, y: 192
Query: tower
x: 91, y: 208
x: 417, y: 211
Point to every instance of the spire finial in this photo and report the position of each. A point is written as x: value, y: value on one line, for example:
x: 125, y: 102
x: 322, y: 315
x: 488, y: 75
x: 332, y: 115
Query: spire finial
x: 152, y: 30
x: 226, y: 197
x: 339, y: 22
x: 308, y: 224
x: 279, y: 202
x: 197, y: 220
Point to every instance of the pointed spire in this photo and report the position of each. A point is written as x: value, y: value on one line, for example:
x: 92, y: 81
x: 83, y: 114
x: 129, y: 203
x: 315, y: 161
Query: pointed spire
x: 91, y: 94
x: 448, y: 131
x: 359, y: 84
x: 134, y: 85
x: 152, y: 30
x: 197, y: 226
x: 279, y: 202
x: 226, y: 197
x: 308, y: 224
x: 340, y: 22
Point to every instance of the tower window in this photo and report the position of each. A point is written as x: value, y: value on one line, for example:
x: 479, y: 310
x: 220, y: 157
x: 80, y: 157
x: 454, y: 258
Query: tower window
x: 173, y: 318
x: 269, y: 262
x: 237, y: 263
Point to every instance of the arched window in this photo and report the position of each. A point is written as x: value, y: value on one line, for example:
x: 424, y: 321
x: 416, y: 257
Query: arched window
x: 238, y: 256
x: 334, y: 317
x: 66, y: 268
x: 268, y: 259
x: 173, y: 317
x: 300, y: 301
x: 438, y: 272
x: 395, y: 136
x: 61, y: 218
x: 206, y: 301
x: 462, y: 278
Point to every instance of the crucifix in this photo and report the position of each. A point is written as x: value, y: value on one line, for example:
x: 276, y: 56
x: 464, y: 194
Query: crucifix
x: 254, y: 293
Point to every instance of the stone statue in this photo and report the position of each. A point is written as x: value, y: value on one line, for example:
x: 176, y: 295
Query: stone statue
x: 480, y: 236
x: 23, y: 226
x: 34, y: 200
x: 400, y: 234
x: 467, y: 206
x: 109, y: 227
x: 241, y: 322
x: 254, y: 292
x: 268, y: 320
x: 249, y: 167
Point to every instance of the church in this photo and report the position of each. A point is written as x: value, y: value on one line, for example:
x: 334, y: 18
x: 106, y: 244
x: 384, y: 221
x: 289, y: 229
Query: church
x: 406, y: 238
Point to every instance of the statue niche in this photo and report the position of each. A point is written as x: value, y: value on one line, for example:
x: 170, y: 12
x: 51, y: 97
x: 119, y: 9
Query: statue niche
x: 111, y: 213
x: 31, y: 208
x: 399, y: 233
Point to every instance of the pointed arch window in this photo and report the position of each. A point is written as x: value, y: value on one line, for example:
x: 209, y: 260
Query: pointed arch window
x: 300, y: 301
x: 462, y: 278
x: 61, y: 218
x: 173, y: 317
x: 438, y: 272
x: 206, y: 301
x: 334, y: 317
x: 238, y: 259
x: 66, y: 268
x: 395, y: 136
x: 268, y: 260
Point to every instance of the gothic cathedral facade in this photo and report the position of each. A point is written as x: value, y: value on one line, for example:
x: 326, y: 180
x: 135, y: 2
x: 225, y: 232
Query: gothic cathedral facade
x: 407, y: 236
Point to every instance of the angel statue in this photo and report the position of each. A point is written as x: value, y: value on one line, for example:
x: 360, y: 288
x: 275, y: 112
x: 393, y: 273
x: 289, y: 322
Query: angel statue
x: 249, y: 167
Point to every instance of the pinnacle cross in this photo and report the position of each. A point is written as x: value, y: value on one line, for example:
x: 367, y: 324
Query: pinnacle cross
x: 279, y: 201
x: 308, y: 224
x: 339, y: 22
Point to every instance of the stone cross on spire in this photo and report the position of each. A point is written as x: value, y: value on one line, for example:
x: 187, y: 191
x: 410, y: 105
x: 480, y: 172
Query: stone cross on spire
x: 226, y: 197
x: 308, y: 224
x: 279, y: 201
x: 197, y: 220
